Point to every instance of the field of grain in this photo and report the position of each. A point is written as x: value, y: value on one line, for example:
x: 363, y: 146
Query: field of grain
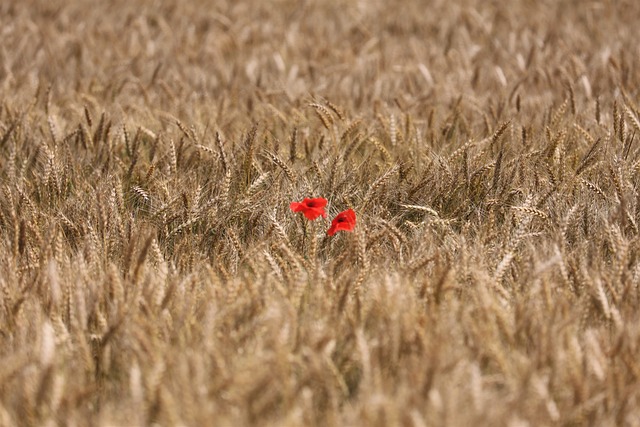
x: 152, y: 272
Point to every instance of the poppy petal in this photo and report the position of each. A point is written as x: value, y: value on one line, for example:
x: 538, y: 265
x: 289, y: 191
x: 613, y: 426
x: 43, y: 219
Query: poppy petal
x: 312, y: 213
x: 318, y: 202
x: 344, y: 221
x: 311, y: 208
x: 296, y: 207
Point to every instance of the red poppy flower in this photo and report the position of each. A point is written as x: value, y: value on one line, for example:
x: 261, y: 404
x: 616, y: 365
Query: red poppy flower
x: 311, y: 208
x: 344, y: 221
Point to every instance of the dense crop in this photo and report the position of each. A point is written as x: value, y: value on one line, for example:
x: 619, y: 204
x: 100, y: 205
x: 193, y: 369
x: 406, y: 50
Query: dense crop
x: 152, y: 270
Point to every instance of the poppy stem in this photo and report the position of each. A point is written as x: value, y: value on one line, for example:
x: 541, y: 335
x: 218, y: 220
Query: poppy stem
x: 304, y: 236
x: 313, y: 245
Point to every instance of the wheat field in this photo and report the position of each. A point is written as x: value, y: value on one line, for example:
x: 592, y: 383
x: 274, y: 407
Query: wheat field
x: 152, y: 272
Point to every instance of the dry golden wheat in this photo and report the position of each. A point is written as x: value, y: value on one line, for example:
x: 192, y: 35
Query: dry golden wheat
x: 153, y: 273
